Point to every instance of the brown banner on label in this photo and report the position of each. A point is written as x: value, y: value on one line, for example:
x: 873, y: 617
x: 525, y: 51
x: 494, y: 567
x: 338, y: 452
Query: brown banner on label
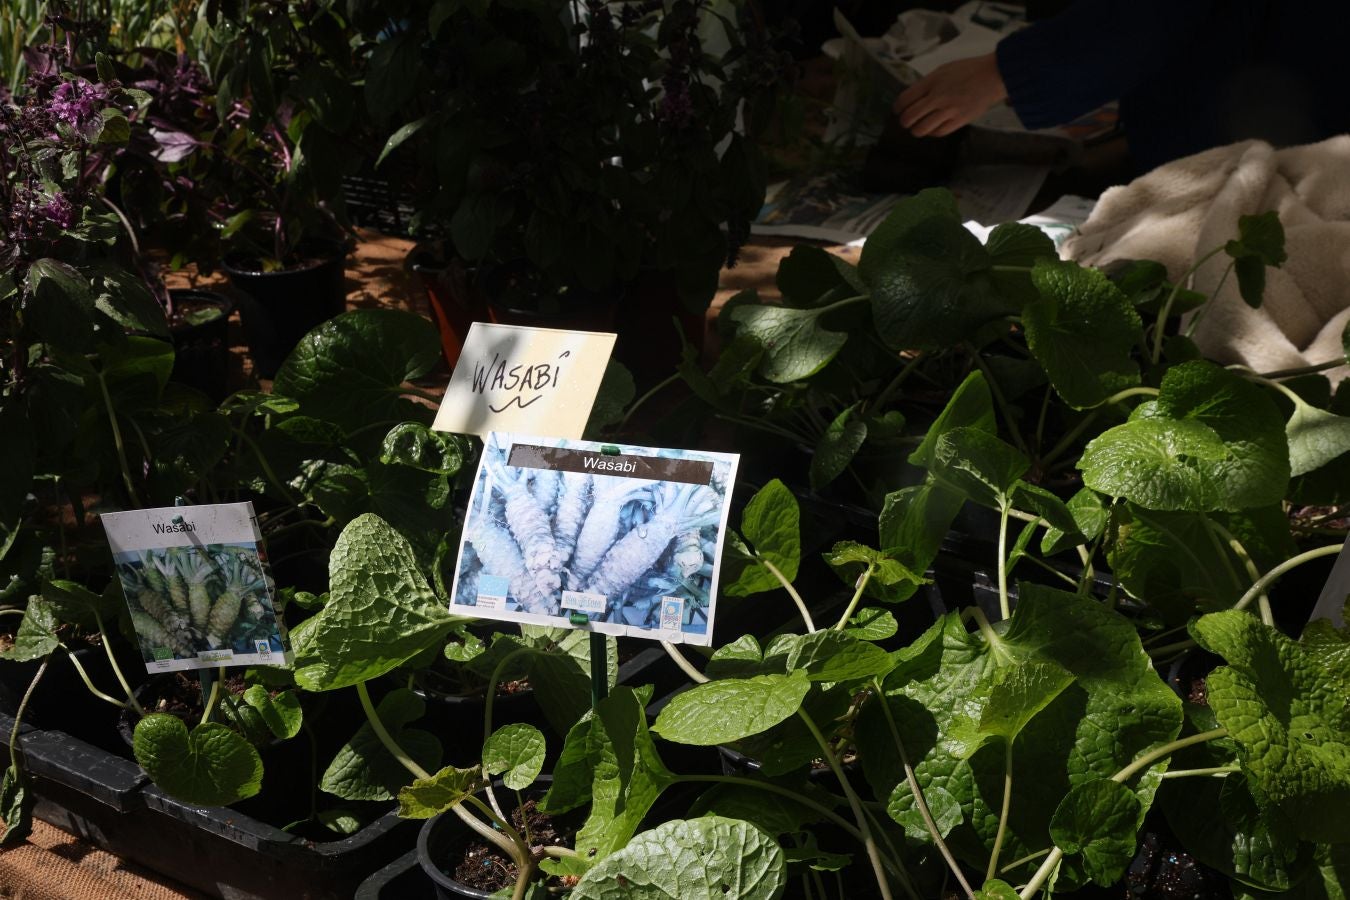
x: 652, y: 468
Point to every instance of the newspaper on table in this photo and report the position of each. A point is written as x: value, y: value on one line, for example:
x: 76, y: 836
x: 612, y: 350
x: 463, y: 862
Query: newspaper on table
x: 628, y: 540
x: 197, y: 586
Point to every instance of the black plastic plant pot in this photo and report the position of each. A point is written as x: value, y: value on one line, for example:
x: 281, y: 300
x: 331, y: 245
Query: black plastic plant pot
x: 282, y: 306
x: 200, y: 326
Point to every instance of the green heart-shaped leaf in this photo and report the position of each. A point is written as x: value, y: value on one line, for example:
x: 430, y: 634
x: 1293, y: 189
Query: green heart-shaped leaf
x: 208, y: 766
x: 516, y: 752
x: 1099, y: 820
x: 720, y: 712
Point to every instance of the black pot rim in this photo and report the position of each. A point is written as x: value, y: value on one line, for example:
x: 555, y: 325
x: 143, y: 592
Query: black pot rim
x: 327, y: 251
x: 226, y: 303
x: 433, y: 871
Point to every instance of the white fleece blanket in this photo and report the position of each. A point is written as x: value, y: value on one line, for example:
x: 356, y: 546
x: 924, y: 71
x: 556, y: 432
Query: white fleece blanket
x: 1181, y: 210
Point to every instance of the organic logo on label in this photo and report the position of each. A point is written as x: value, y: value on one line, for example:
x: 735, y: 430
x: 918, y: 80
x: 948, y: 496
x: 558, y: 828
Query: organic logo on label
x: 672, y: 613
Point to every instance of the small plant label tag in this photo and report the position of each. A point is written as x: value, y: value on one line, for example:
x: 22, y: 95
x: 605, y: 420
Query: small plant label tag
x: 532, y: 380
x: 630, y: 538
x: 197, y: 585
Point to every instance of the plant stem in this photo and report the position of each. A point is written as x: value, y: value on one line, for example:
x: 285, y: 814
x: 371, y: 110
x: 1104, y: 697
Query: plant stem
x: 1266, y: 580
x: 854, y: 803
x: 15, y: 755
x: 838, y: 304
x: 992, y: 870
x: 1153, y: 756
x: 879, y: 402
x: 1303, y: 370
x: 1200, y: 313
x: 117, y: 670
x: 861, y: 586
x: 84, y: 676
x: 212, y: 700
x: 792, y: 592
x: 266, y: 467
x: 764, y: 426
x: 1160, y: 326
x: 683, y: 662
x: 920, y: 803
x: 487, y: 717
x: 385, y: 738
x: 660, y: 386
x: 1004, y: 607
x: 1263, y: 601
x: 1190, y: 773
x: 117, y: 441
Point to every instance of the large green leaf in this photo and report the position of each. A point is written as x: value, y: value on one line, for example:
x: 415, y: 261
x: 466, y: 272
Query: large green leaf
x: 1291, y: 718
x: 697, y: 859
x: 837, y: 447
x: 16, y: 807
x: 1099, y: 821
x: 772, y: 524
x: 350, y: 370
x: 929, y: 277
x: 796, y: 345
x: 971, y: 405
x: 720, y: 712
x: 364, y: 769
x: 1081, y: 329
x: 515, y: 752
x: 444, y: 790
x: 828, y: 656
x: 1316, y: 437
x: 380, y: 611
x: 557, y: 662
x: 615, y: 767
x: 414, y: 444
x: 1019, y: 692
x: 1116, y: 709
x: 59, y: 306
x: 36, y: 636
x: 979, y: 465
x: 209, y: 765
x: 1211, y: 441
x: 810, y: 276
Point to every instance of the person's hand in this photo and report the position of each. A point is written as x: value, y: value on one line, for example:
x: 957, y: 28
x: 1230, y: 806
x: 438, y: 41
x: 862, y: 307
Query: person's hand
x: 951, y: 96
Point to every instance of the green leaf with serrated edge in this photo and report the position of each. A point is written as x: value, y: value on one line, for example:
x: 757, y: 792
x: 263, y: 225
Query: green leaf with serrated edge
x: 828, y: 656
x: 997, y: 890
x: 720, y: 712
x: 1261, y: 236
x: 1116, y: 709
x: 281, y: 713
x: 1211, y: 441
x: 772, y: 524
x: 413, y: 444
x: 710, y: 858
x: 36, y: 636
x: 1099, y: 821
x: 928, y: 277
x: 380, y: 611
x: 1316, y: 437
x: 850, y: 560
x: 1172, y: 560
x: 627, y: 774
x: 789, y: 747
x: 363, y: 769
x: 739, y: 659
x: 350, y: 370
x: 796, y: 345
x: 427, y: 797
x: 837, y: 446
x: 208, y: 766
x: 516, y: 752
x: 1082, y: 330
x: 971, y: 406
x: 942, y: 806
x: 1035, y: 499
x: 1018, y: 244
x: 1090, y: 515
x: 574, y: 770
x: 872, y: 624
x: 1018, y: 694
x: 1291, y: 721
x: 59, y: 306
x: 914, y: 520
x: 16, y: 805
x: 978, y: 464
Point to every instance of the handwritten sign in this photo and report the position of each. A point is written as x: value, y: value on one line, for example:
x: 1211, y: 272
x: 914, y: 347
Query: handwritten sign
x: 532, y: 380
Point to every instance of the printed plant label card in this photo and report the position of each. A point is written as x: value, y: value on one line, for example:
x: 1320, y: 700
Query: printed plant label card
x: 1333, y: 601
x: 196, y: 582
x: 630, y: 538
x: 530, y: 380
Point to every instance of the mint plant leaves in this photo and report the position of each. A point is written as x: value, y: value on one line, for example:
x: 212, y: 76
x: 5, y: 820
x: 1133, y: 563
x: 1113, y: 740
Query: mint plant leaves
x: 1291, y: 719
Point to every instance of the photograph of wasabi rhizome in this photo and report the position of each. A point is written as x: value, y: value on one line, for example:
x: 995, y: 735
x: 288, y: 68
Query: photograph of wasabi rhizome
x: 623, y: 550
x: 186, y: 601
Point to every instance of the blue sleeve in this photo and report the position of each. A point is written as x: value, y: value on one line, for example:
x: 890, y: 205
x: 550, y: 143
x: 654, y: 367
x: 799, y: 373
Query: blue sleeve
x: 1093, y: 52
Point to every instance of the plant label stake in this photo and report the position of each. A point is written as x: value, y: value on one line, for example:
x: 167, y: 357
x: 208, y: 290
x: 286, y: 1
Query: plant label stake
x: 1332, y: 601
x: 616, y: 539
x: 197, y: 587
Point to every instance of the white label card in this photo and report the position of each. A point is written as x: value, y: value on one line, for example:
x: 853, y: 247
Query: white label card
x: 198, y: 587
x: 613, y: 538
x: 1331, y: 602
x: 531, y: 380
